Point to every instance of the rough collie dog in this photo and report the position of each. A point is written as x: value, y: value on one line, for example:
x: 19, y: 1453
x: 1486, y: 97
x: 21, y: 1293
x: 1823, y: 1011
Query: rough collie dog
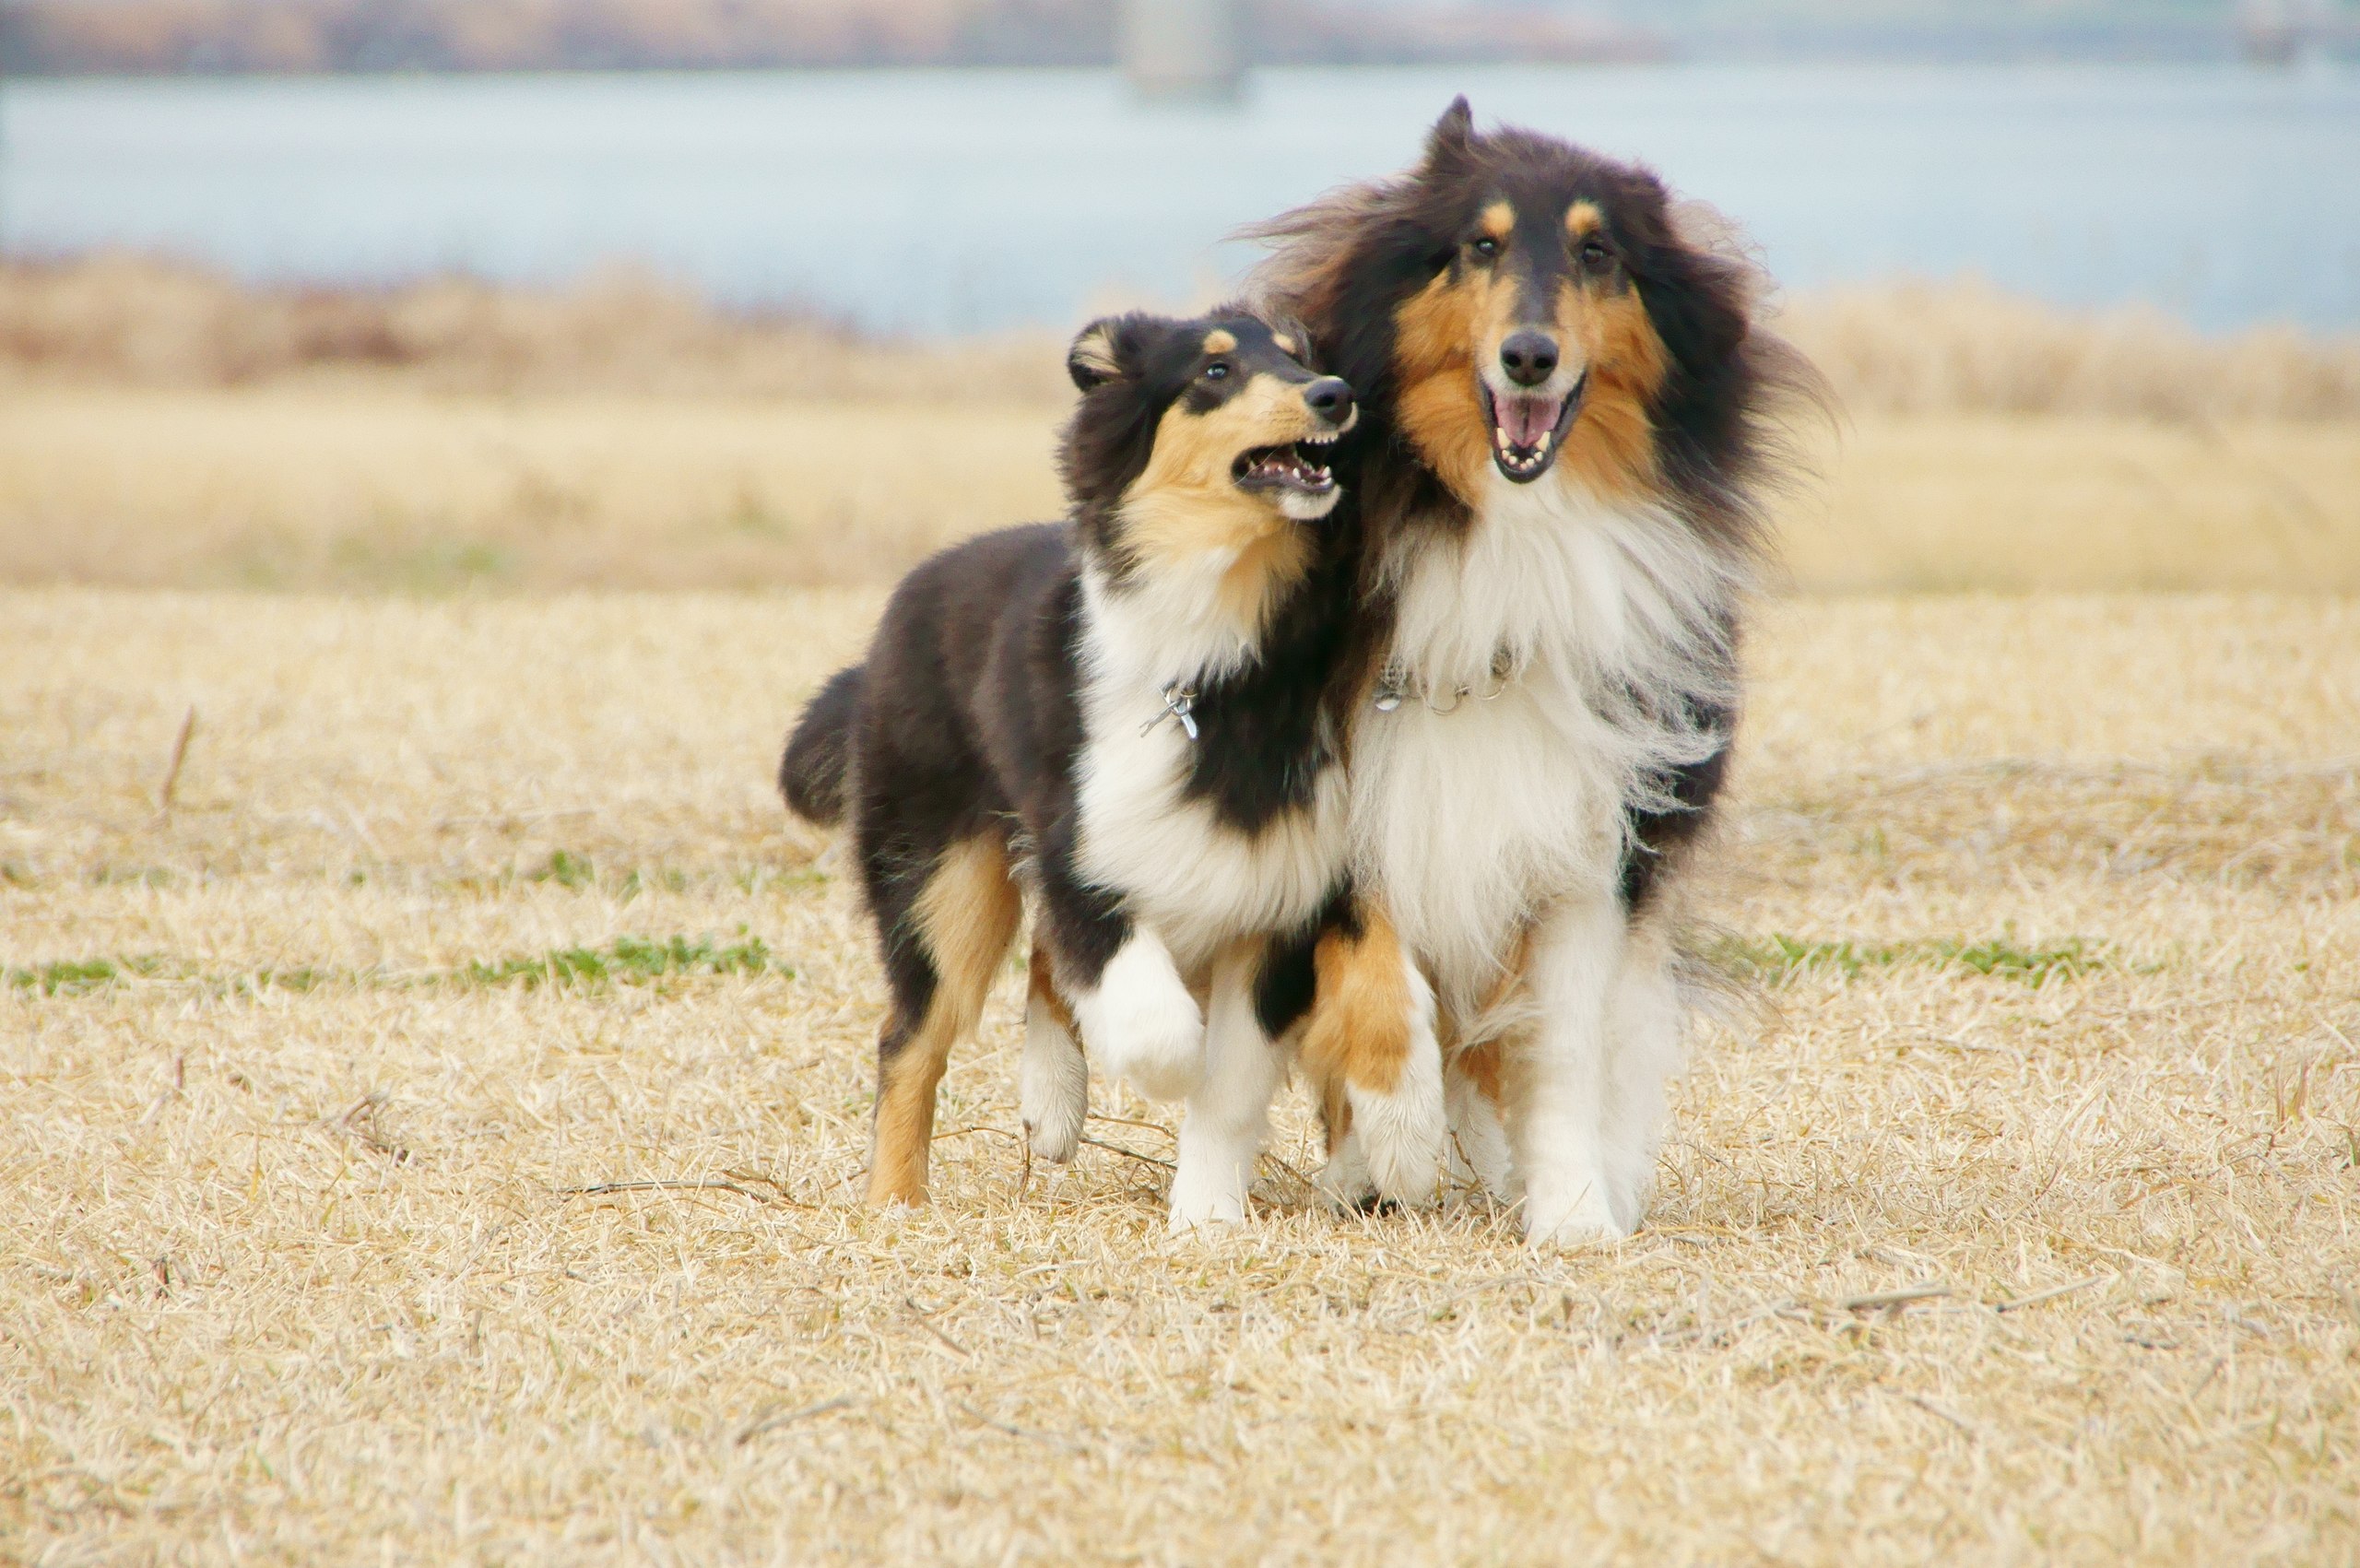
x: 1570, y: 412
x: 1135, y: 717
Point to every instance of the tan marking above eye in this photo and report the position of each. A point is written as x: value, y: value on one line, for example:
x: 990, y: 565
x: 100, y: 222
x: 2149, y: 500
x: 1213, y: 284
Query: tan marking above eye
x: 1498, y: 220
x: 1286, y: 343
x: 1583, y: 220
x: 1219, y: 341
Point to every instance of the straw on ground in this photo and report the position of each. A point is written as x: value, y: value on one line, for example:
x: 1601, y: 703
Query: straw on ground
x: 438, y: 1137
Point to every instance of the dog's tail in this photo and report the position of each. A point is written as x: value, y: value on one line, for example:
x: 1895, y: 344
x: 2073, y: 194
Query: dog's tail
x: 811, y: 773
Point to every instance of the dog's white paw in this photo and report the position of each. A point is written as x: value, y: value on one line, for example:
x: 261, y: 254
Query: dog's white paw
x: 1572, y: 1217
x: 1480, y: 1152
x: 1142, y: 1025
x: 1344, y: 1180
x: 1053, y: 1086
x: 1629, y: 1196
x: 1205, y: 1201
x: 1403, y: 1134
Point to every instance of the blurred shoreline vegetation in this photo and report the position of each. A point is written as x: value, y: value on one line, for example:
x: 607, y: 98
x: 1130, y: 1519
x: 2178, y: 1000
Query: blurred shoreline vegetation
x: 122, y: 319
x: 156, y: 37
x: 167, y: 37
x: 1909, y: 347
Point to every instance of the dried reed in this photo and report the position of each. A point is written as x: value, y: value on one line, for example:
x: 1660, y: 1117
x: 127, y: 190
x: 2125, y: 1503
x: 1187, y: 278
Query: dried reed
x: 1908, y: 347
x: 130, y: 320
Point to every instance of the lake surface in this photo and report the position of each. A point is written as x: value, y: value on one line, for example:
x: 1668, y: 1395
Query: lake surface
x: 970, y: 200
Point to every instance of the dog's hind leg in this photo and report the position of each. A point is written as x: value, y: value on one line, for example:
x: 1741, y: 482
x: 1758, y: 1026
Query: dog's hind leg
x: 1372, y: 1039
x: 1343, y: 1180
x: 941, y: 950
x: 1478, y: 1133
x: 1228, y: 1114
x: 1052, y: 1083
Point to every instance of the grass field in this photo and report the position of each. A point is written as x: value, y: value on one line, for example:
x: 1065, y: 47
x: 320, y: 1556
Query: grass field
x: 163, y: 426
x: 376, y: 485
x: 434, y: 1136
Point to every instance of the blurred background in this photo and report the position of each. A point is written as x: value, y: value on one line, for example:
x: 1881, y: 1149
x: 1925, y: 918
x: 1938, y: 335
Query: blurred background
x: 427, y: 294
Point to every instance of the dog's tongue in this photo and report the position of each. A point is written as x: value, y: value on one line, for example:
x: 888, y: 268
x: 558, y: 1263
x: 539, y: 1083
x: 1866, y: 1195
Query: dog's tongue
x: 1527, y: 419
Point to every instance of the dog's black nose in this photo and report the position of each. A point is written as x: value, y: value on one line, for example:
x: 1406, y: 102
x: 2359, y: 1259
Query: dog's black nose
x: 1530, y: 357
x: 1330, y: 397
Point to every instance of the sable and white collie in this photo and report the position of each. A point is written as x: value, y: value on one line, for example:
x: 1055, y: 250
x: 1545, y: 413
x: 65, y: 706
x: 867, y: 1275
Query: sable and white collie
x: 1140, y: 717
x: 1569, y: 413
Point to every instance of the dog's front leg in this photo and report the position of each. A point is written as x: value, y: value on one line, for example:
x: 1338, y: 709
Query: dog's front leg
x: 1139, y: 1020
x: 1053, y: 1078
x: 1644, y: 1043
x: 1220, y: 1134
x: 1559, y: 1085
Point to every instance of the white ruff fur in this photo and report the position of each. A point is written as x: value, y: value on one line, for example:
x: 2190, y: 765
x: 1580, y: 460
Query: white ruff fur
x: 1192, y: 884
x: 1477, y: 822
x: 1473, y: 821
x: 1197, y: 880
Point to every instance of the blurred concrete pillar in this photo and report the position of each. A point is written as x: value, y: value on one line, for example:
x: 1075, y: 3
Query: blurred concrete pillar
x: 1183, y: 48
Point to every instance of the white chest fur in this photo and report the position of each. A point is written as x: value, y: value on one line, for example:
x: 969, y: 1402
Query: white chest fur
x: 1197, y: 880
x: 1593, y: 625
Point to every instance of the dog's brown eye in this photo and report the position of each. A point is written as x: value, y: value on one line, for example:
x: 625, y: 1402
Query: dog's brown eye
x: 1596, y: 256
x: 1217, y: 372
x: 1487, y: 247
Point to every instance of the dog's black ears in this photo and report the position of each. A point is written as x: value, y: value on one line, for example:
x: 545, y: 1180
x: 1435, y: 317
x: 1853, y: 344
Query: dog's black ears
x: 1453, y: 135
x: 1100, y: 354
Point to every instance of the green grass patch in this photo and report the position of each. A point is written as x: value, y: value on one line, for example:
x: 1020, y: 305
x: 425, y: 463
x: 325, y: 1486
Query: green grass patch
x: 627, y: 960
x: 1778, y: 958
x: 74, y: 977
x: 568, y: 870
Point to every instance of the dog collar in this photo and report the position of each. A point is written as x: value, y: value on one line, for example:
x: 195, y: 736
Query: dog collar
x: 1394, y: 683
x: 1179, y: 703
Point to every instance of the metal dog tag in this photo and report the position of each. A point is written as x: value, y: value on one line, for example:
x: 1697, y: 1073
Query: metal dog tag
x: 1179, y: 703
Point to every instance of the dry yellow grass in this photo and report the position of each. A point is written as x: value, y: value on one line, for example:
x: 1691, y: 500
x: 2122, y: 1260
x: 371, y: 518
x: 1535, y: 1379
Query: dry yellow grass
x: 1924, y: 347
x: 162, y: 425
x: 299, y: 1262
x: 374, y: 488
x: 2079, y: 502
x: 378, y: 485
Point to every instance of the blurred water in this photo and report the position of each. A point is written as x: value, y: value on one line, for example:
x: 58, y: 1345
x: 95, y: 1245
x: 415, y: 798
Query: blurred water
x: 934, y: 200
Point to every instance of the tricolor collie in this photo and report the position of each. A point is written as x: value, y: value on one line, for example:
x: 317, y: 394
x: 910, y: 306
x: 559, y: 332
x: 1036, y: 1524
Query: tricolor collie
x: 1569, y: 413
x: 1137, y: 717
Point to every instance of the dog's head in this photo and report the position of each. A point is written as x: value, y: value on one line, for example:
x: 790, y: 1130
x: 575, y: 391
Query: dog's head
x: 1520, y: 306
x: 1202, y: 444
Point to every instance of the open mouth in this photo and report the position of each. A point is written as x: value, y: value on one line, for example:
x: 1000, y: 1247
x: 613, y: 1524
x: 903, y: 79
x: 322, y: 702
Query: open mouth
x: 1528, y: 429
x: 1300, y: 467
